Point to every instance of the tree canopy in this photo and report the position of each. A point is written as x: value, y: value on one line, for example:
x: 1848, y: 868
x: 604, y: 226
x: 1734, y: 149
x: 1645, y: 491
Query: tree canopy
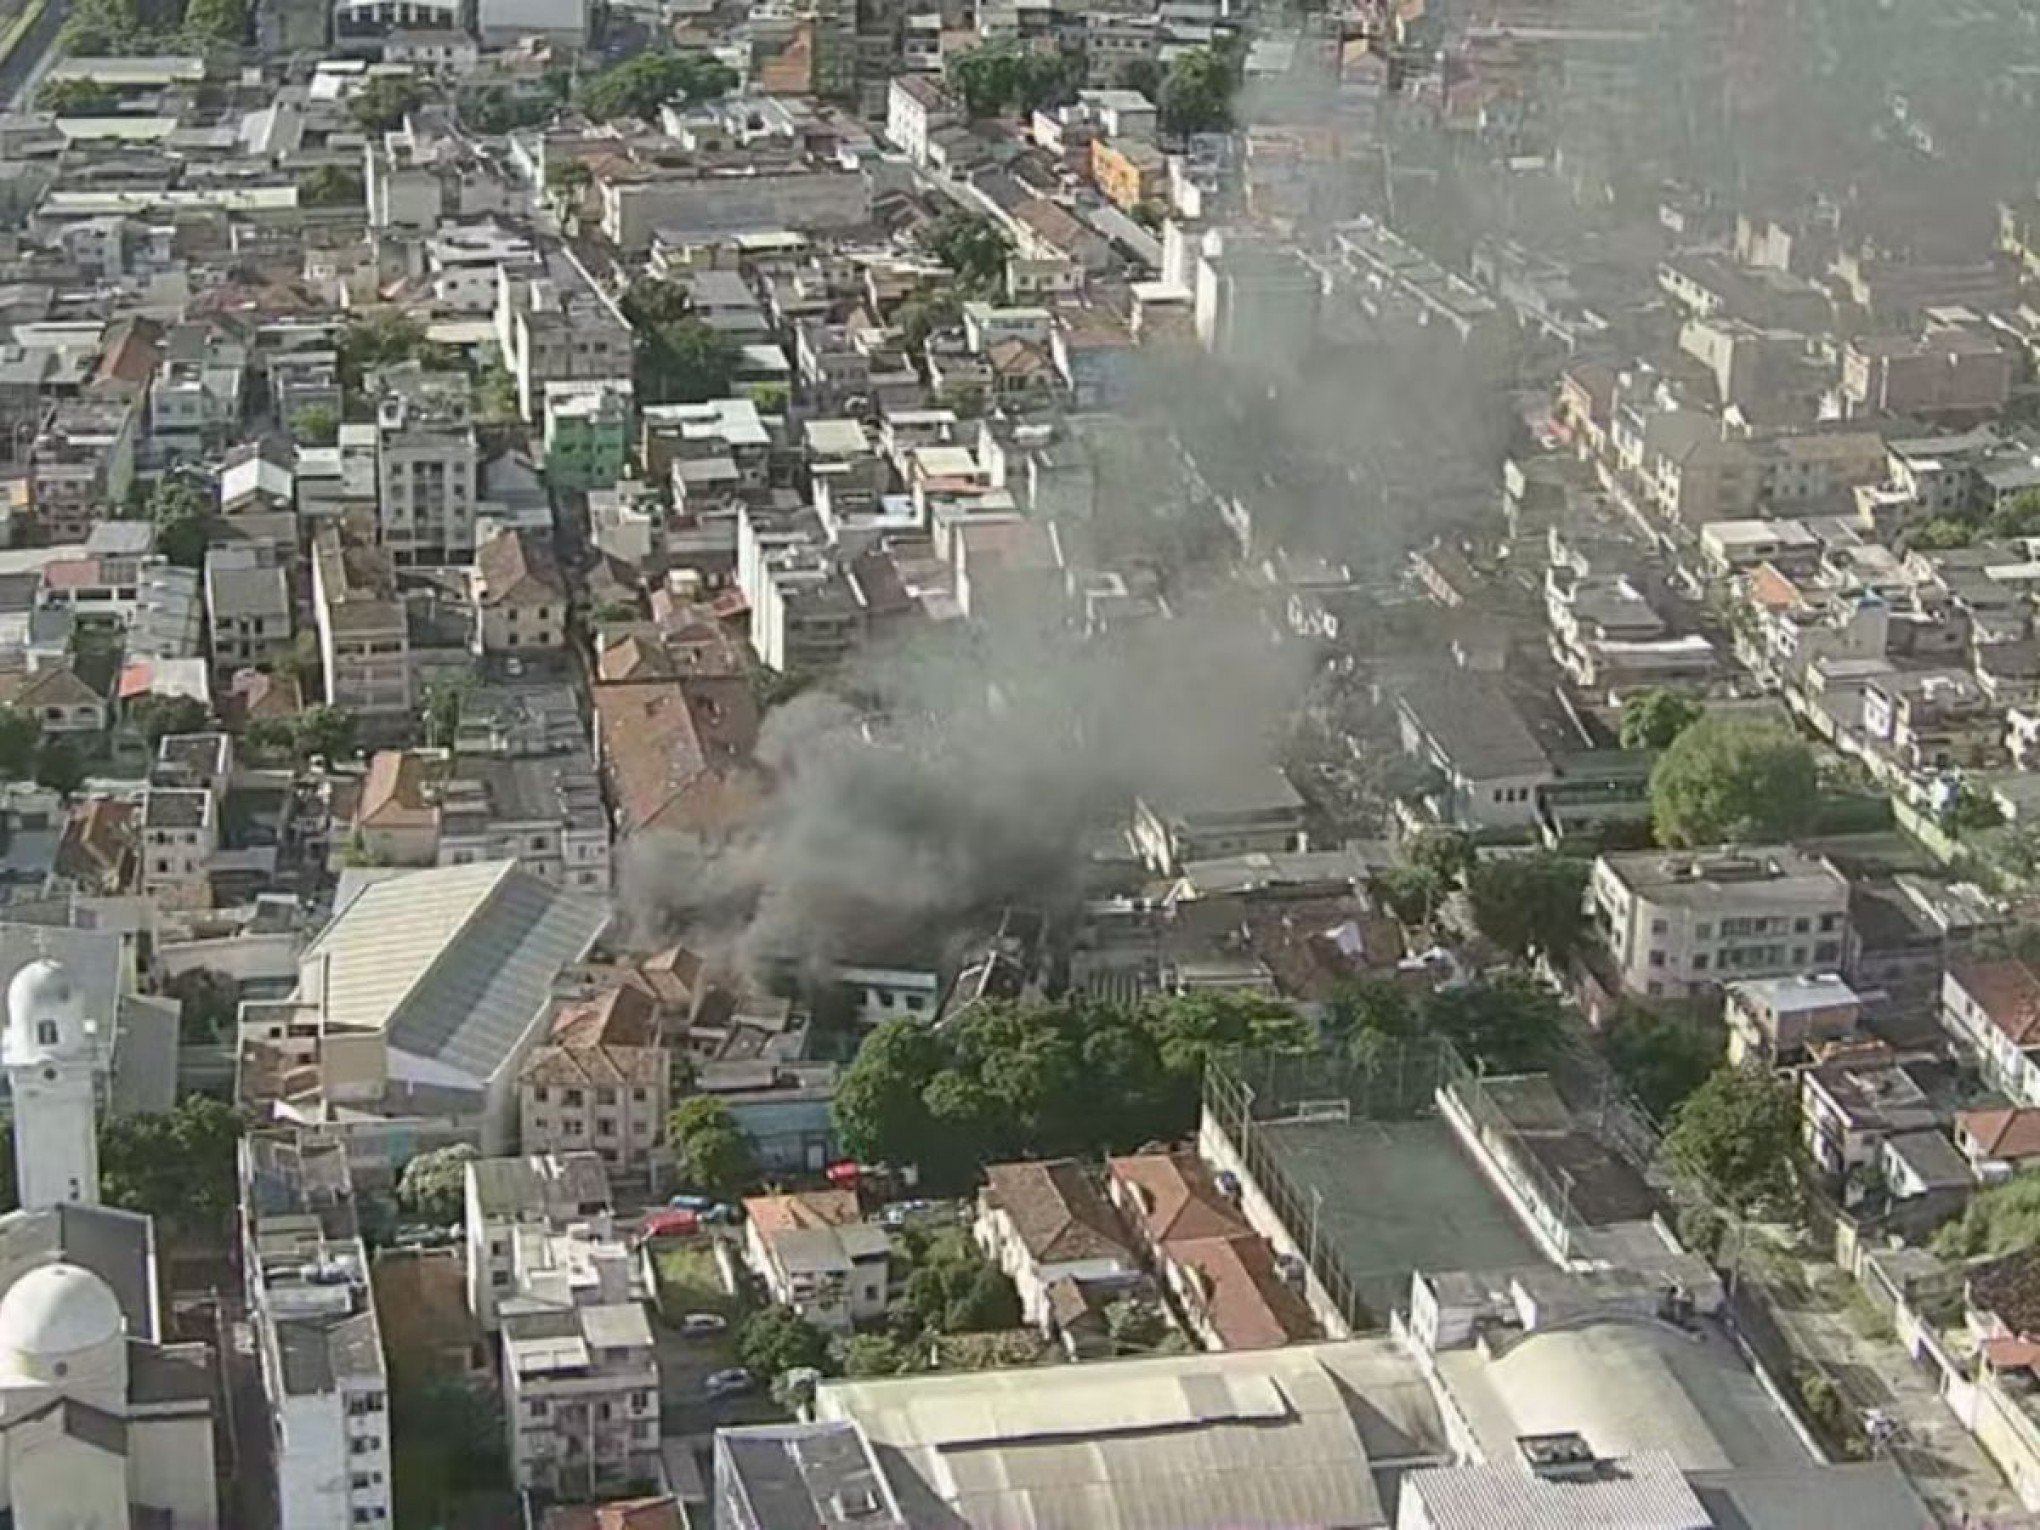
x: 680, y: 358
x: 433, y: 1186
x: 972, y: 246
x: 1011, y: 1080
x: 2003, y: 1219
x: 713, y: 1151
x: 1725, y: 779
x: 1009, y: 77
x: 775, y: 1340
x: 1736, y: 1138
x: 1654, y: 719
x: 386, y: 100
x: 177, y: 1166
x: 157, y: 717
x: 181, y: 511
x: 315, y: 425
x: 1530, y: 905
x: 641, y: 85
x: 1196, y: 94
x: 1661, y: 1059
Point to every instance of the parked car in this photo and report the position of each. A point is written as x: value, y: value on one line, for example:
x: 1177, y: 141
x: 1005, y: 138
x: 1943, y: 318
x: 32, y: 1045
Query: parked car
x: 734, y: 1382
x: 699, y: 1325
x: 695, y: 1203
x: 669, y: 1224
x: 722, y: 1214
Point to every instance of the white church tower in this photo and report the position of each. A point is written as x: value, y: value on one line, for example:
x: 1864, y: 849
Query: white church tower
x: 51, y: 1050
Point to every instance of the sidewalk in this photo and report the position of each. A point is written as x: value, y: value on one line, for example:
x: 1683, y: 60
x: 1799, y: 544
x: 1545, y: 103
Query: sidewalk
x: 1944, y: 1463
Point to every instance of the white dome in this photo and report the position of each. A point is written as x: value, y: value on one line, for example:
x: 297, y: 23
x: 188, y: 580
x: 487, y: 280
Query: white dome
x: 57, y: 1310
x: 43, y: 992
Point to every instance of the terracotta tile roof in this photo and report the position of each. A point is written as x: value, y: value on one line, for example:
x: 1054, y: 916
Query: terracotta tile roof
x: 677, y: 753
x: 803, y: 1210
x: 129, y: 354
x: 393, y: 795
x: 2009, y: 1290
x: 98, y: 845
x: 256, y: 695
x: 516, y: 570
x: 1174, y: 1197
x: 1246, y: 1301
x: 624, y: 1514
x: 674, y: 975
x: 1059, y: 1217
x: 1772, y: 590
x: 2009, y: 1133
x: 595, y: 1065
x: 56, y: 687
x: 635, y: 658
x: 2008, y: 993
x: 621, y: 1017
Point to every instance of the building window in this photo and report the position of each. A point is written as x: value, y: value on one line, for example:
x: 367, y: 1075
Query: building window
x: 1700, y: 962
x: 46, y: 1033
x: 605, y: 1096
x: 1657, y: 958
x: 1829, y: 923
x: 638, y: 1095
x: 538, y: 1094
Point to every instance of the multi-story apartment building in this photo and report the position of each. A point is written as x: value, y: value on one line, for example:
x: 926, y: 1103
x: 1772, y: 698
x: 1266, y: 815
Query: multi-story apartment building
x: 520, y: 598
x: 601, y: 1082
x: 558, y: 328
x: 588, y: 431
x: 312, y: 1312
x: 248, y: 604
x: 1680, y: 923
x: 435, y: 808
x: 364, y: 640
x: 547, y: 1272
x: 82, y: 465
x: 426, y: 462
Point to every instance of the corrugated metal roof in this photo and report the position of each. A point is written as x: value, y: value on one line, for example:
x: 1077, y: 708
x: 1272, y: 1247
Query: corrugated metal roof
x: 1269, y: 1438
x: 455, y: 964
x: 1640, y: 1492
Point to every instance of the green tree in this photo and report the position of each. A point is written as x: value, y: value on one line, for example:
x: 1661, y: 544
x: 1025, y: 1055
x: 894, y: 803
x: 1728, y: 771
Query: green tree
x: 208, y: 1003
x: 444, y: 702
x: 1008, y: 77
x: 215, y: 22
x: 680, y: 359
x: 1661, y: 1059
x: 2018, y: 516
x: 1136, y: 1327
x: 446, y: 1442
x: 775, y: 1340
x: 1447, y: 854
x: 641, y: 85
x: 315, y: 425
x: 1507, y: 1023
x: 1530, y: 905
x: 386, y: 100
x: 1196, y: 95
x: 875, y: 1354
x: 59, y: 766
x: 177, y: 1167
x: 326, y: 732
x: 926, y: 313
x: 972, y: 246
x: 182, y: 512
x: 2003, y: 1219
x: 20, y: 738
x: 713, y: 1151
x: 879, y: 1111
x: 433, y: 1186
x: 1369, y: 1017
x: 157, y: 717
x: 1410, y: 893
x: 387, y: 339
x: 1736, y: 1138
x: 1143, y: 75
x: 615, y: 611
x: 1725, y: 779
x: 75, y: 98
x: 990, y: 1302
x: 1941, y: 534
x: 1654, y: 719
x: 332, y: 186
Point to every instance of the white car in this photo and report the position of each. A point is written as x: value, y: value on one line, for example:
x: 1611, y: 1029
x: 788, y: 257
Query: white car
x: 699, y: 1325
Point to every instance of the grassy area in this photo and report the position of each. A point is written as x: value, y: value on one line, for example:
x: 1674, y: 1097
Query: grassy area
x: 690, y: 1282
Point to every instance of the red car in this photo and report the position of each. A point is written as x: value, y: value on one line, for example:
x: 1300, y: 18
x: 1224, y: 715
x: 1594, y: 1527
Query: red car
x: 670, y: 1223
